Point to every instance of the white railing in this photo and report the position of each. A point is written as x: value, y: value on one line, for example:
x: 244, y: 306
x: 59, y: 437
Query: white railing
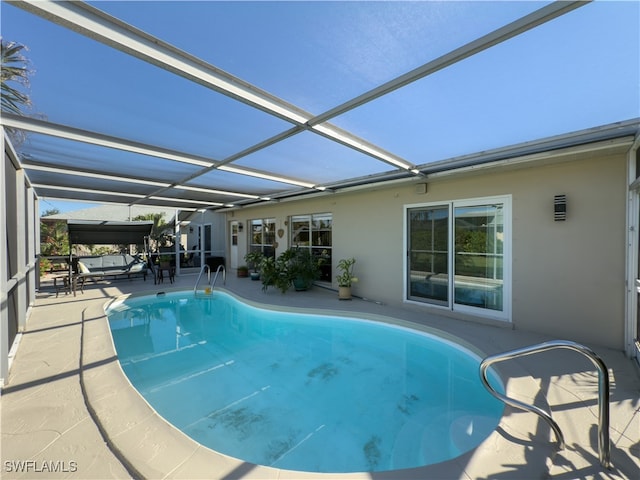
x: 224, y: 276
x: 604, y: 445
x: 204, y: 267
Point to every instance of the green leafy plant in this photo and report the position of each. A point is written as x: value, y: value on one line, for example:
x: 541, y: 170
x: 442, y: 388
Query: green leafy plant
x: 101, y: 250
x: 14, y: 69
x: 254, y: 259
x: 53, y: 235
x: 346, y: 277
x: 304, y: 269
x: 294, y: 266
x: 160, y: 235
x: 273, y: 273
x: 45, y: 265
x: 165, y: 258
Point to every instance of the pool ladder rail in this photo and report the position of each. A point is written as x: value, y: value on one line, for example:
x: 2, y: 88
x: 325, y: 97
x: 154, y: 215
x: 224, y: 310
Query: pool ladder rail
x: 604, y: 445
x: 209, y: 289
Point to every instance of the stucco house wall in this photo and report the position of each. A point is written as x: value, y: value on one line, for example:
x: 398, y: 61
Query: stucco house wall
x: 568, y: 278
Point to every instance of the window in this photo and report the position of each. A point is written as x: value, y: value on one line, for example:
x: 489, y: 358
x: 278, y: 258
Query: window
x: 263, y: 236
x: 234, y: 234
x: 314, y: 232
x: 429, y: 254
x: 458, y: 255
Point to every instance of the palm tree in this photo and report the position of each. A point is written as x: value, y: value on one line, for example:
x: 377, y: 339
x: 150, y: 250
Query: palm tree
x: 160, y: 232
x: 53, y: 235
x: 14, y: 69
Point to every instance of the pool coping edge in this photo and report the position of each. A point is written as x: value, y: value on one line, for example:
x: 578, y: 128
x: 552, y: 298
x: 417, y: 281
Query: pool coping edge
x: 162, y: 451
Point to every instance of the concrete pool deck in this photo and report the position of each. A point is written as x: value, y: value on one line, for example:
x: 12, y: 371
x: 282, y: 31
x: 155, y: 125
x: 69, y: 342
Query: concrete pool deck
x: 67, y: 411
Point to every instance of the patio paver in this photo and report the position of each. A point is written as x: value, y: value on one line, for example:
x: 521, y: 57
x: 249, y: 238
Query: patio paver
x: 67, y: 406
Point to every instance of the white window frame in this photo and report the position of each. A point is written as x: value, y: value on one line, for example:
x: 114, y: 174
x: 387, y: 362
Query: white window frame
x: 263, y: 225
x: 310, y: 218
x: 503, y: 315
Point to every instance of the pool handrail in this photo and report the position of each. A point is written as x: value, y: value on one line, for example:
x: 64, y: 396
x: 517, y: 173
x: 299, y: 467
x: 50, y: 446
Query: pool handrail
x: 202, y: 269
x: 604, y: 445
x: 224, y: 276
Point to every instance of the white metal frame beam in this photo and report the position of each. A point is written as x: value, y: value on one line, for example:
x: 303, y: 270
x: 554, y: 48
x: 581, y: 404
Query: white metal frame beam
x: 94, y: 138
x: 93, y: 23
x: 98, y: 25
x: 71, y: 133
x: 143, y: 181
x: 513, y: 29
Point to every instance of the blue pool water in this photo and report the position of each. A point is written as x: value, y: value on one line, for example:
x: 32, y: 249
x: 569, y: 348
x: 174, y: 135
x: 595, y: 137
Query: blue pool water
x: 302, y: 392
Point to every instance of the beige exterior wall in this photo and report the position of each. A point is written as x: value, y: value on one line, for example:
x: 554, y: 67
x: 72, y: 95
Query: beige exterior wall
x: 567, y: 277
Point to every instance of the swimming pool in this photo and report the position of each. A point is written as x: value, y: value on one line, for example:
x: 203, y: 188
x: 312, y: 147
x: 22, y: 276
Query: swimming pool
x: 302, y: 392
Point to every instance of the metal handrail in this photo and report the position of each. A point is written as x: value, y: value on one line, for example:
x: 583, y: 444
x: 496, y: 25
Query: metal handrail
x: 205, y: 266
x: 224, y: 276
x: 604, y: 445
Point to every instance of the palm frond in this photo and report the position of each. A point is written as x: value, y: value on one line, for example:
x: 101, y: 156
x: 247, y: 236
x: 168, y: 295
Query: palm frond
x: 13, y: 68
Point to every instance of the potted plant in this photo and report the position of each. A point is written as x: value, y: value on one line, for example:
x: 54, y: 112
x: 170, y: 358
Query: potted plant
x: 165, y: 261
x: 346, y: 278
x: 303, y: 269
x: 254, y: 259
x: 293, y: 266
x: 243, y: 271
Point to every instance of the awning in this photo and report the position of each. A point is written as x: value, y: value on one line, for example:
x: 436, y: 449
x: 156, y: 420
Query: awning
x: 96, y: 232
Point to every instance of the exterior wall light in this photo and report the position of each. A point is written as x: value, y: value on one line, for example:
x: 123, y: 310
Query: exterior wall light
x: 560, y: 208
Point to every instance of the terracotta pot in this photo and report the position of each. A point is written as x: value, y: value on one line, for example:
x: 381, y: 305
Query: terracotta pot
x: 344, y: 293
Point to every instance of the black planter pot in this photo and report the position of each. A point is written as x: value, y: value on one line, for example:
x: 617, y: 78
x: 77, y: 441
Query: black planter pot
x: 300, y: 284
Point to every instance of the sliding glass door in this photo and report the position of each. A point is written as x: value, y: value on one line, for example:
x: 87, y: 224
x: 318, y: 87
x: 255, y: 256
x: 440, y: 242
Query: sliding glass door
x: 479, y: 256
x: 457, y: 254
x: 428, y: 272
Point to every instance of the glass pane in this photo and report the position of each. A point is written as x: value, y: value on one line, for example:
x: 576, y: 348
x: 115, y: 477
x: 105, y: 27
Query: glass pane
x: 323, y: 255
x: 571, y: 71
x: 256, y: 233
x: 321, y: 230
x: 300, y: 231
x: 428, y: 254
x: 263, y: 236
x: 321, y: 226
x: 323, y: 162
x: 479, y: 236
x: 269, y: 232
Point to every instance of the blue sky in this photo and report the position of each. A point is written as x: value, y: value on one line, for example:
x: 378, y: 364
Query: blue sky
x: 48, y: 205
x: 579, y: 71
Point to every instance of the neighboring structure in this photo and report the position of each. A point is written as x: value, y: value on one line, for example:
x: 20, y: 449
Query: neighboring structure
x: 116, y: 213
x: 110, y: 213
x: 201, y: 237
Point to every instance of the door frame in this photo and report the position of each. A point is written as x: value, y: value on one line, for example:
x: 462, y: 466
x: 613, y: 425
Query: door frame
x: 233, y: 248
x: 504, y: 315
x: 632, y: 294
